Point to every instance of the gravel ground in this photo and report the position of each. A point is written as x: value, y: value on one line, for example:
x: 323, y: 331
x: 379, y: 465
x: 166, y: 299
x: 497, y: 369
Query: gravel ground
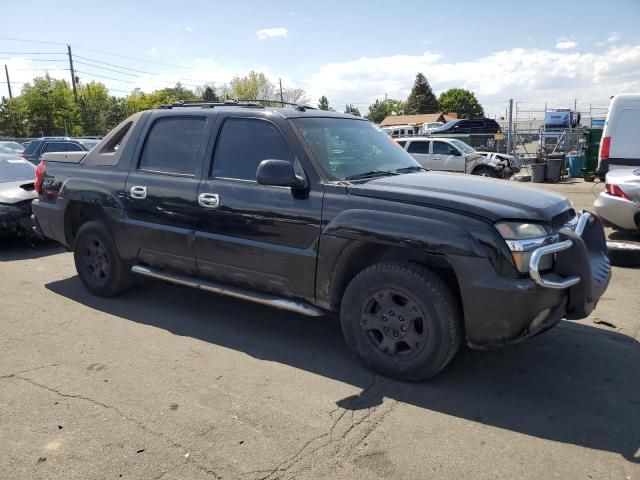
x: 174, y: 383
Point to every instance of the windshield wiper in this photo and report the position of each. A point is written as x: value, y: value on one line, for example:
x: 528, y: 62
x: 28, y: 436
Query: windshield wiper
x: 414, y: 168
x: 370, y: 174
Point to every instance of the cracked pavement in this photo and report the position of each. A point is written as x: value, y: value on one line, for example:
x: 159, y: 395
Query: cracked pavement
x: 165, y: 382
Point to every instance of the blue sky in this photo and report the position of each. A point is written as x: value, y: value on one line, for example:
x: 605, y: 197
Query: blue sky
x: 350, y: 51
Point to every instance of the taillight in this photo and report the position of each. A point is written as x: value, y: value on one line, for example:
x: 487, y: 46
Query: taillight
x: 604, y: 147
x: 616, y: 191
x: 39, y: 174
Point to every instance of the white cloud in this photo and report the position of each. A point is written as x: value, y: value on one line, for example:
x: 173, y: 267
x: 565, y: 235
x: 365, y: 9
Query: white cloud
x: 188, y: 28
x: 613, y: 37
x: 152, y: 51
x: 565, y: 44
x: 528, y: 75
x: 272, y: 33
x: 532, y: 76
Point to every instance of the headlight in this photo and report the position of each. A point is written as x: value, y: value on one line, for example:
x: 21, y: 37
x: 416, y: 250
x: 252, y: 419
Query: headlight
x: 522, y: 239
x: 521, y: 231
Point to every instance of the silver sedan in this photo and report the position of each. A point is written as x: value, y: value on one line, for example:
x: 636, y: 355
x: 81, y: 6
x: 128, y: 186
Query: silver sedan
x: 619, y: 204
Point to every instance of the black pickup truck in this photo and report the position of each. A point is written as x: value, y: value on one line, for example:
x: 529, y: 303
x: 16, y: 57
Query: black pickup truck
x: 322, y: 213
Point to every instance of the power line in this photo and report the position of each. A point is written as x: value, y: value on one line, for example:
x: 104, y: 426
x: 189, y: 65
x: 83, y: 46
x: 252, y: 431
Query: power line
x: 30, y: 53
x: 39, y: 59
x: 103, y: 76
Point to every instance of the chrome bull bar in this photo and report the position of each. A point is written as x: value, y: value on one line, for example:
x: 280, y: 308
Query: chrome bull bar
x: 539, y: 253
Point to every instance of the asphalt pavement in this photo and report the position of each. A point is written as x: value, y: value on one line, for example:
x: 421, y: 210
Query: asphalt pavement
x: 167, y: 382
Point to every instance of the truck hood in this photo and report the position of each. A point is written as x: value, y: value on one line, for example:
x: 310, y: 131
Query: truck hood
x: 15, y: 192
x: 479, y: 196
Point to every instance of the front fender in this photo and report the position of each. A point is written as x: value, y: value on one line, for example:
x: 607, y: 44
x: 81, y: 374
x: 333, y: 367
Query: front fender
x: 431, y: 235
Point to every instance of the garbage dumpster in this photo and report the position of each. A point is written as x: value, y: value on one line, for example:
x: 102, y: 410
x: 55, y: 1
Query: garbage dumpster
x: 538, y: 172
x: 554, y: 168
x: 575, y: 161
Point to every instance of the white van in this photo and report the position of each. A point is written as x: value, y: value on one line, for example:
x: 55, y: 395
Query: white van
x: 400, y: 130
x: 620, y: 144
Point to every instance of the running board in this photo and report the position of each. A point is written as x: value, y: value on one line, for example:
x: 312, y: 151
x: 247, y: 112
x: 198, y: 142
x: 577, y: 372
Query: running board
x: 263, y: 298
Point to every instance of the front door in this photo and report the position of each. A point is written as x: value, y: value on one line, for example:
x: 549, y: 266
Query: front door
x: 160, y: 193
x: 446, y: 157
x: 261, y: 237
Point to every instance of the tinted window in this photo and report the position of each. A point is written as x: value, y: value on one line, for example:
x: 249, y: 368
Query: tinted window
x: 31, y: 148
x: 402, y: 143
x: 418, y: 147
x: 173, y: 144
x: 54, y: 147
x: 243, y: 144
x: 440, y: 148
x: 72, y: 147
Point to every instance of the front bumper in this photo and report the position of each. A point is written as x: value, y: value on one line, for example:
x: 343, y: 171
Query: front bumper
x: 500, y: 310
x: 16, y: 219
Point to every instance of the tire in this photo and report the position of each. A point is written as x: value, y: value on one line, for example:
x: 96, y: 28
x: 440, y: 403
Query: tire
x: 98, y: 263
x: 421, y: 330
x: 484, y: 171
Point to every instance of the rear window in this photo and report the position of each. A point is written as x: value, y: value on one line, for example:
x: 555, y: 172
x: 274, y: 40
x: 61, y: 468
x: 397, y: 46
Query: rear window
x: 173, y: 144
x: 32, y: 147
x: 15, y: 170
x: 418, y: 147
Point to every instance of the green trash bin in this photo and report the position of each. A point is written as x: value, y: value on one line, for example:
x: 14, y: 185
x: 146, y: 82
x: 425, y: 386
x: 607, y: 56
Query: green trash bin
x: 592, y: 149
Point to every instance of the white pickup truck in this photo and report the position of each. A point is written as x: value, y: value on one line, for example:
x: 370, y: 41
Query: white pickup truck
x: 453, y: 155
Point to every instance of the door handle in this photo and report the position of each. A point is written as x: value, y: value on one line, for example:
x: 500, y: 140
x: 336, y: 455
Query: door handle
x: 138, y: 192
x: 209, y: 200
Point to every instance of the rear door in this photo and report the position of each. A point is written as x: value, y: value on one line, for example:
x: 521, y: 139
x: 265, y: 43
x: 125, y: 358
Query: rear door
x: 447, y: 157
x: 419, y: 149
x: 160, y: 193
x: 257, y: 236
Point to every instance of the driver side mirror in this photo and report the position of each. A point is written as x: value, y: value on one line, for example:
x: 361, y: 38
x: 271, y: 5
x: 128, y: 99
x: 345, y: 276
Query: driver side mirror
x: 279, y: 173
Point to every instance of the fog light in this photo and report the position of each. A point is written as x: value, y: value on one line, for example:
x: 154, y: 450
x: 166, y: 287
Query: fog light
x: 522, y: 259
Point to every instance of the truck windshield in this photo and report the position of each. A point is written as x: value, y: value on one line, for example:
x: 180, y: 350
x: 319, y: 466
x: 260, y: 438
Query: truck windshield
x: 351, y: 148
x: 462, y: 146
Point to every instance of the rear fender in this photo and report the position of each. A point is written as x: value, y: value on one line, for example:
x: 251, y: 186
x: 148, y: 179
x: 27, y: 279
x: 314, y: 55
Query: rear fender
x: 90, y: 191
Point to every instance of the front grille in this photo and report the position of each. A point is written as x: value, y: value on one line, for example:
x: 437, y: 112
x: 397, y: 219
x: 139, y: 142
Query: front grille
x: 563, y: 218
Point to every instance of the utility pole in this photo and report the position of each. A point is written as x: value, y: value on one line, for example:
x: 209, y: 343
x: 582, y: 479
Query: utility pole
x: 509, y: 133
x: 281, y: 98
x: 73, y: 74
x: 6, y: 71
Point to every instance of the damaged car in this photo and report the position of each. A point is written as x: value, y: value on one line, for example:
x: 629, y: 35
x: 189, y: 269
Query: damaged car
x: 453, y: 155
x: 16, y: 194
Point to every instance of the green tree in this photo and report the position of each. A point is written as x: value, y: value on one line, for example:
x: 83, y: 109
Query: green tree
x: 117, y: 111
x: 350, y: 109
x: 14, y: 118
x: 323, y: 103
x: 93, y: 105
x: 209, y: 94
x: 255, y: 86
x: 381, y: 109
x: 295, y: 95
x: 461, y: 101
x: 51, y: 107
x: 421, y: 99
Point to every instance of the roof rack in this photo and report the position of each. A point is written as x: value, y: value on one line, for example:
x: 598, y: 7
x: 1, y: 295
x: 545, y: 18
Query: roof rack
x: 235, y: 103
